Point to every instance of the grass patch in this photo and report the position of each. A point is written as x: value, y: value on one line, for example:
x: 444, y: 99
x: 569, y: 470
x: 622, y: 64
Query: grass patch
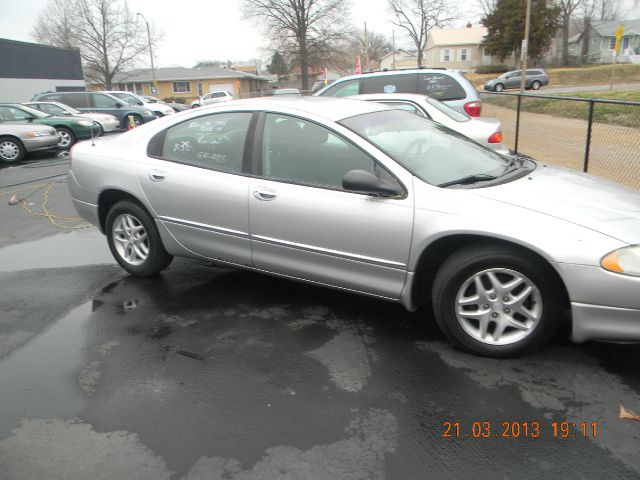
x: 563, y: 76
x: 611, y: 114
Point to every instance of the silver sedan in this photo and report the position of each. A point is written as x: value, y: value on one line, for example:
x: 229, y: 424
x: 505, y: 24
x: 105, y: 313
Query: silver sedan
x: 18, y: 140
x: 357, y: 196
x: 484, y: 130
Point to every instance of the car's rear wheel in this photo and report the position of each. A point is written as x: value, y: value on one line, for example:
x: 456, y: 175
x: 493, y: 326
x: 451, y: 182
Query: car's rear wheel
x: 498, y: 87
x: 535, y: 85
x: 134, y: 240
x: 11, y: 150
x: 67, y: 138
x: 495, y: 301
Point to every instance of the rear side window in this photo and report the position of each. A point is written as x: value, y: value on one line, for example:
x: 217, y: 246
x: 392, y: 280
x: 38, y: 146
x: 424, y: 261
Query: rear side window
x: 343, y: 89
x: 440, y: 86
x: 534, y: 72
x: 405, y: 83
x: 212, y: 141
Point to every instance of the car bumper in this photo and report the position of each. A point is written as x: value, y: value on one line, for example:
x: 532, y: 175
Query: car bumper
x: 499, y: 147
x: 40, y: 143
x: 109, y: 127
x: 604, y: 305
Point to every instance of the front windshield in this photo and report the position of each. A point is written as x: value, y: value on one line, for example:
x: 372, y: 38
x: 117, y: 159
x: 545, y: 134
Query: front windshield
x: 447, y: 110
x: 130, y: 99
x: 430, y: 151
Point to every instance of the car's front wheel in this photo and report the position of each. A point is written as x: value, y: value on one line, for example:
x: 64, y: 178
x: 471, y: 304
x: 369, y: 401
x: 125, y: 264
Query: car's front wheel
x: 134, y: 240
x: 11, y: 150
x: 67, y: 139
x: 495, y: 301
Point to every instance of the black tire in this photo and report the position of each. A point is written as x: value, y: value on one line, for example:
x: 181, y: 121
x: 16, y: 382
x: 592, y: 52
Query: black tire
x: 463, y: 265
x: 101, y: 132
x: 67, y: 138
x: 11, y: 150
x: 157, y: 258
x: 137, y: 120
x: 498, y: 87
x: 535, y: 85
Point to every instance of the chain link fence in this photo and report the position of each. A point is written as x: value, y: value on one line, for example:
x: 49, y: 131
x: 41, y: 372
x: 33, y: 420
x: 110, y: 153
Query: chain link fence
x: 601, y: 137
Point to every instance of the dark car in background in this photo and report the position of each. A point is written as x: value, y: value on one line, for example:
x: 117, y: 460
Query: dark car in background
x: 70, y: 129
x: 447, y: 86
x: 535, y: 78
x: 101, y: 103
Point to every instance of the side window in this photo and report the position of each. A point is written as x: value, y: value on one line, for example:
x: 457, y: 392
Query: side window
x: 51, y: 109
x: 211, y: 141
x: 440, y: 86
x: 103, y: 101
x: 75, y: 100
x: 343, y: 89
x: 403, y: 83
x: 299, y: 151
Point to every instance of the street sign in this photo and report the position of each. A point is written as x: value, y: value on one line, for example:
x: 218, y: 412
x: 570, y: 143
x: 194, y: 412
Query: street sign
x: 619, y: 33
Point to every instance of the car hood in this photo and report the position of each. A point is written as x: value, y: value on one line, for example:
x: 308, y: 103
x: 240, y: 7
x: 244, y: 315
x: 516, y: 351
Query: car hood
x: 591, y: 202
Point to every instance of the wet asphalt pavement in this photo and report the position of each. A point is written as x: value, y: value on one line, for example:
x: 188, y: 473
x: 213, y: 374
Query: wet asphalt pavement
x: 207, y: 372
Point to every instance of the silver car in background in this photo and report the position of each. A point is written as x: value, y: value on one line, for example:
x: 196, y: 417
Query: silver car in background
x: 360, y: 197
x: 483, y: 130
x: 108, y: 123
x: 18, y: 140
x: 535, y: 78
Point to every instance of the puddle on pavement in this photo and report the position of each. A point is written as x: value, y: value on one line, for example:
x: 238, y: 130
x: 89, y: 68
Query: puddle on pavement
x: 40, y: 378
x: 73, y: 249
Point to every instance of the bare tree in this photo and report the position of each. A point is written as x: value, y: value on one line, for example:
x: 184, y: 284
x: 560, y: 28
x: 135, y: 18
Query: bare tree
x: 106, y: 31
x: 567, y: 10
x: 55, y: 25
x: 306, y: 31
x: 418, y: 17
x: 377, y: 45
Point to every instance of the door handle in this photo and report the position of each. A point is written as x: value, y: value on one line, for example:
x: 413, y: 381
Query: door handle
x: 265, y: 194
x: 156, y: 175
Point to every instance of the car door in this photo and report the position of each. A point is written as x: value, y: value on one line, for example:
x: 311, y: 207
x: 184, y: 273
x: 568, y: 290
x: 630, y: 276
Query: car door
x: 305, y: 225
x: 193, y: 178
x: 513, y: 80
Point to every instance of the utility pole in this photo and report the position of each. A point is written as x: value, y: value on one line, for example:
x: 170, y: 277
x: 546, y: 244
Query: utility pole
x: 393, y: 45
x: 525, y: 44
x: 153, y: 70
x: 366, y: 48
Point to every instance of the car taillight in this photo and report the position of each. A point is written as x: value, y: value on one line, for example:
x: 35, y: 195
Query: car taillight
x: 473, y: 108
x: 495, y: 137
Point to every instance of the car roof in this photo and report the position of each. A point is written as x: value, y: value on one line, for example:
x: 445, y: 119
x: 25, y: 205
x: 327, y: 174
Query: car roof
x: 331, y: 108
x: 405, y: 71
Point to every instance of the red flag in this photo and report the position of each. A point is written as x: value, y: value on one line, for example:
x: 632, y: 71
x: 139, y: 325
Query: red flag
x: 358, y: 67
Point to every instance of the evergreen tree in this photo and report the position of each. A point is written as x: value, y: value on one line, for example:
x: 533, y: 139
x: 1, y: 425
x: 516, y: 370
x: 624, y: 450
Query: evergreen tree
x: 505, y: 27
x: 278, y: 65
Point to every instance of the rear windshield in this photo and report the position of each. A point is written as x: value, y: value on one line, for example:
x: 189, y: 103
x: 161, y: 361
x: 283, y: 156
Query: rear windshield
x: 440, y: 86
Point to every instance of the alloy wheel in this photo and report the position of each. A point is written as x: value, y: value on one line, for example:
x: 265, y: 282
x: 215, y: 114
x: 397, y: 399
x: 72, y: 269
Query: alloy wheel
x: 130, y: 239
x: 498, y: 306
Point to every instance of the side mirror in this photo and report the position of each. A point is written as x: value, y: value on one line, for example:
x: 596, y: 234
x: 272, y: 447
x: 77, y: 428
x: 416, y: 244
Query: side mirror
x: 361, y: 181
x: 140, y: 103
x: 119, y: 105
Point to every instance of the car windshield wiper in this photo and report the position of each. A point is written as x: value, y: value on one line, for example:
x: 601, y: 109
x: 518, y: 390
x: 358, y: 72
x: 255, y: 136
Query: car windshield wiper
x: 479, y: 177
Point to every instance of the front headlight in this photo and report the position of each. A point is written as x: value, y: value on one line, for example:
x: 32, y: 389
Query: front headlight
x: 39, y: 133
x: 625, y: 260
x: 85, y: 123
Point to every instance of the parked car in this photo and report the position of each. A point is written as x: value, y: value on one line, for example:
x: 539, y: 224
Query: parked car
x: 319, y: 84
x: 108, y: 123
x: 70, y: 129
x: 101, y: 103
x: 483, y: 130
x: 448, y: 86
x: 217, y: 96
x: 159, y: 109
x: 178, y: 107
x: 18, y: 140
x: 291, y: 92
x: 372, y: 200
x: 535, y: 78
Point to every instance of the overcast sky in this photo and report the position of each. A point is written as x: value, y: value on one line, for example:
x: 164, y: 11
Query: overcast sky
x: 203, y: 29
